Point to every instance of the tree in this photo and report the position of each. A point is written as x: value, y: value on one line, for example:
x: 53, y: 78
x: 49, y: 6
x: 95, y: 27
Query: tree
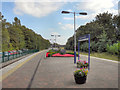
x: 102, y: 44
x: 15, y: 36
x: 16, y: 22
x: 105, y: 29
x: 116, y: 23
x: 106, y: 19
x: 5, y: 42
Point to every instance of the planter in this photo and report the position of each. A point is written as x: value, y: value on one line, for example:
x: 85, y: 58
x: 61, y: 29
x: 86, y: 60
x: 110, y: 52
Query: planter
x: 80, y: 79
x: 47, y: 54
x: 79, y: 66
x: 85, y: 66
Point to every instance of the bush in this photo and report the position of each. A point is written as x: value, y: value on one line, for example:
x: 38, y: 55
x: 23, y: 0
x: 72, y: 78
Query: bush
x: 101, y: 46
x: 84, y: 47
x: 93, y: 46
x: 62, y: 51
x: 70, y: 53
x: 113, y: 49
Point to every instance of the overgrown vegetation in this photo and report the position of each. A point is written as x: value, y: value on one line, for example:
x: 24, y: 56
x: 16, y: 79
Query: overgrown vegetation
x: 104, y: 34
x: 104, y: 55
x: 113, y: 49
x: 16, y: 36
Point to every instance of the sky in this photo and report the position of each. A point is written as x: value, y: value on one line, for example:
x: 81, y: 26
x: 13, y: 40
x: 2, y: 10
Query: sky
x: 44, y: 17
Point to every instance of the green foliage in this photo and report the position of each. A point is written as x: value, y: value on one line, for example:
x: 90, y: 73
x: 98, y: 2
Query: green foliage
x: 102, y: 42
x: 69, y: 44
x: 93, y: 46
x: 50, y: 54
x: 15, y: 36
x: 70, y: 53
x: 82, y: 64
x: 81, y: 72
x: 114, y: 49
x: 52, y: 51
x: 5, y: 39
x: 62, y: 51
x: 105, y: 29
x: 84, y: 46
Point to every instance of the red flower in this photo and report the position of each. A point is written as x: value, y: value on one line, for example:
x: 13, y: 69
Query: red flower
x: 84, y: 62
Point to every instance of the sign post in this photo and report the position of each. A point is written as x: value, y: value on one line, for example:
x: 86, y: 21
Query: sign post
x: 84, y: 38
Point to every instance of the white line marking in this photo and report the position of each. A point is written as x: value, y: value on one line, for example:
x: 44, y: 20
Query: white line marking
x: 103, y: 59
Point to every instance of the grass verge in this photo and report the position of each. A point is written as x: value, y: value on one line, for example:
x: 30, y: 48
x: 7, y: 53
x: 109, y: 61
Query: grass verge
x: 104, y: 55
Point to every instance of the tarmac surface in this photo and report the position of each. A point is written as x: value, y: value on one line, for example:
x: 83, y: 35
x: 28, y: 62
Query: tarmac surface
x: 57, y: 72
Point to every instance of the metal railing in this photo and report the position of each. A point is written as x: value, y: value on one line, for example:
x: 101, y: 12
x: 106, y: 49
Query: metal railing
x: 6, y: 56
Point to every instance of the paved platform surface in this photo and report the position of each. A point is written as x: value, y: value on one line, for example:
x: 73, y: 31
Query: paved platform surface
x: 57, y: 72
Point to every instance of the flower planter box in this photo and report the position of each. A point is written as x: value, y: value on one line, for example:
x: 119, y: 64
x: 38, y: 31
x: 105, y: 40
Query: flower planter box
x: 47, y: 54
x: 82, y: 64
x: 79, y: 66
x: 80, y: 79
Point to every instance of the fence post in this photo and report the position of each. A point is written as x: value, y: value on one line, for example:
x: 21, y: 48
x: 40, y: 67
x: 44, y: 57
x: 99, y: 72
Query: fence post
x: 8, y: 56
x: 13, y: 55
x: 16, y: 54
x: 3, y: 55
x: 21, y: 53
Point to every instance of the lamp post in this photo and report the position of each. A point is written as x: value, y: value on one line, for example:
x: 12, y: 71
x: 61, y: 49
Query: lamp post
x: 81, y: 13
x: 55, y: 38
x: 52, y: 42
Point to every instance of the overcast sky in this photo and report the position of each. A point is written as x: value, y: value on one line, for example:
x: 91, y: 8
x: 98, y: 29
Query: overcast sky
x: 45, y: 18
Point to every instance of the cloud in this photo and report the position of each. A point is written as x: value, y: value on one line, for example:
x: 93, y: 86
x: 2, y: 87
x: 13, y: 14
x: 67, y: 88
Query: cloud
x: 36, y: 9
x: 67, y: 18
x: 69, y: 10
x: 42, y: 0
x: 55, y: 33
x: 93, y: 15
x: 84, y: 17
x: 94, y: 7
x: 62, y: 40
x: 89, y: 16
x: 67, y: 26
x: 97, y: 5
x: 59, y: 23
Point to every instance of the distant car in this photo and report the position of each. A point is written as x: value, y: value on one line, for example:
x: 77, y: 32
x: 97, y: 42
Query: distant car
x: 6, y: 53
x: 14, y: 52
x: 10, y: 52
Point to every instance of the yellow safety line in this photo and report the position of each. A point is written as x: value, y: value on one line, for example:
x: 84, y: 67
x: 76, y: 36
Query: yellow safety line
x: 15, y: 68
